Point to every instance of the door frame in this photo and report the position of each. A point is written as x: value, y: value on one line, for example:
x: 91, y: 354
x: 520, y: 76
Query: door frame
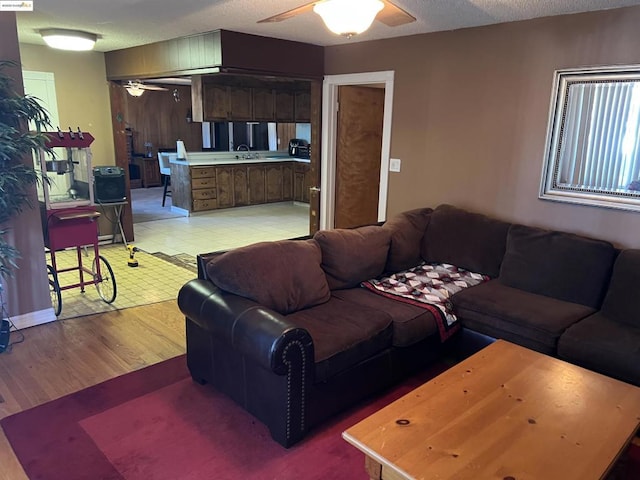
x: 329, y: 139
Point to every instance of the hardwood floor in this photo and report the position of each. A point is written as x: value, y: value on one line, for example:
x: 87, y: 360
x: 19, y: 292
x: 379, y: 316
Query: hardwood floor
x: 68, y: 355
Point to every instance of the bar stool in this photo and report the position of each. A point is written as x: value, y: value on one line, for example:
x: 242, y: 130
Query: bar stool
x: 165, y: 171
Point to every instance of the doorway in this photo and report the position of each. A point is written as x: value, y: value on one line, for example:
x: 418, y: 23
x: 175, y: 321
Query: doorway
x: 331, y: 140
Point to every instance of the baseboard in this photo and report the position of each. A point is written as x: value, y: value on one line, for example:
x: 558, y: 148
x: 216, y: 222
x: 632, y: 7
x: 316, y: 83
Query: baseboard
x: 32, y: 319
x: 183, y: 211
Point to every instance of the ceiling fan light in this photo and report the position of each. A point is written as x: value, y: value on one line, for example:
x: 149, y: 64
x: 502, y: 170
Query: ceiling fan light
x: 62, y: 39
x: 134, y: 90
x: 348, y: 17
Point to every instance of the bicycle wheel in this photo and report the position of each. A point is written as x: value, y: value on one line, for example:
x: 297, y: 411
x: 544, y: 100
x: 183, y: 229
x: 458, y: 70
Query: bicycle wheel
x: 106, y: 281
x: 54, y: 290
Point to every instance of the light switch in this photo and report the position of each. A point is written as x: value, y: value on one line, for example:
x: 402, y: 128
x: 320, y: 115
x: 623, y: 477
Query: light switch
x: 394, y: 165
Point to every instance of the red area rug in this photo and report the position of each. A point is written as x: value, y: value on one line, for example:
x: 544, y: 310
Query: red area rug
x: 157, y: 424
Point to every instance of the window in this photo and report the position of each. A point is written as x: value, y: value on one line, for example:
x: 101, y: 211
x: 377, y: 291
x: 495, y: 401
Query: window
x: 593, y: 140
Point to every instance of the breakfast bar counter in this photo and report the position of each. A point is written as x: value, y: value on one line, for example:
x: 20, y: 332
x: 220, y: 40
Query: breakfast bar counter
x: 211, y: 180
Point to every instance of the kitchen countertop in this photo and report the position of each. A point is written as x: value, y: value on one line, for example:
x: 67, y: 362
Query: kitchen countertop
x: 195, y: 159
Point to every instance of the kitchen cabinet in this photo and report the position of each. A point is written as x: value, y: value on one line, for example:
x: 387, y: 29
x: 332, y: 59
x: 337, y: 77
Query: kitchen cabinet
x: 263, y: 105
x: 240, y: 104
x: 209, y: 187
x: 240, y: 186
x: 271, y: 105
x: 287, y: 182
x: 285, y: 106
x: 224, y: 184
x: 149, y: 171
x: 303, y: 107
x: 273, y: 183
x: 256, y: 184
x: 203, y: 188
x: 226, y: 103
x: 301, y: 182
x: 240, y: 99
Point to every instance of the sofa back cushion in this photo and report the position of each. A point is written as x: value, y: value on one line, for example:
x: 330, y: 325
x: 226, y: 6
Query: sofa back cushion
x: 467, y: 240
x: 284, y: 276
x: 407, y: 230
x: 351, y: 256
x: 557, y: 264
x: 622, y: 303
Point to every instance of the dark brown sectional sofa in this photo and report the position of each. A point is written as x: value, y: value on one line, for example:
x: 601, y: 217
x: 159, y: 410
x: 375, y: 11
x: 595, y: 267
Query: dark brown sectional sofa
x: 285, y: 329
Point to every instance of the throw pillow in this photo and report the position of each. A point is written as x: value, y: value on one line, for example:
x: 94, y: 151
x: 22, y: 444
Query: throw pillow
x: 467, y: 240
x: 407, y: 230
x: 557, y: 264
x: 351, y: 256
x: 285, y: 275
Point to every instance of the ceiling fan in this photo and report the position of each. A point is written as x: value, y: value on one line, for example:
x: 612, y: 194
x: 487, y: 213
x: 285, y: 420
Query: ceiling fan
x: 350, y: 17
x: 137, y: 88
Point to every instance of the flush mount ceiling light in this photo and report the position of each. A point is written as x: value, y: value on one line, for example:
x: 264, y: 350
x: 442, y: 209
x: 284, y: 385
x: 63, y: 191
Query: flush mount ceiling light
x: 68, y: 39
x: 348, y: 17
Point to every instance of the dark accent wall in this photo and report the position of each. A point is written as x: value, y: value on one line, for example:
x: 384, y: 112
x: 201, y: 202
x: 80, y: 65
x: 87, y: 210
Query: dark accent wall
x: 470, y: 113
x: 214, y: 52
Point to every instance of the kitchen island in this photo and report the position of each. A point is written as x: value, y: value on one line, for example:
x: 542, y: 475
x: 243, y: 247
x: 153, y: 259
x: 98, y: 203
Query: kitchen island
x: 211, y: 180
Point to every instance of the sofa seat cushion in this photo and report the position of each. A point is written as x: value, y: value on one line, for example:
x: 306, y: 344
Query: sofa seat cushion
x: 284, y: 276
x: 528, y: 319
x: 350, y: 256
x: 604, y: 345
x: 556, y: 264
x: 410, y: 323
x: 344, y: 334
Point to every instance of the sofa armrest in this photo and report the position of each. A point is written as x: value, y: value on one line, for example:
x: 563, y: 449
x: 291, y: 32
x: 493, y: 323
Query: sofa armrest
x: 253, y: 330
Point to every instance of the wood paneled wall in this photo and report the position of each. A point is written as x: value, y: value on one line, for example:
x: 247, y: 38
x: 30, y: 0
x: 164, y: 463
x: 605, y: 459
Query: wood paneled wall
x: 157, y: 118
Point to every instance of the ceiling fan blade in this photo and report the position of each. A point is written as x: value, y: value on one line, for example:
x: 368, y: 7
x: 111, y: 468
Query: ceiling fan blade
x: 152, y: 87
x: 393, y: 16
x: 289, y: 13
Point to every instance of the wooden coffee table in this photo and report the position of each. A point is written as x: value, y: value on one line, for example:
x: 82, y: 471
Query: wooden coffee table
x: 505, y: 413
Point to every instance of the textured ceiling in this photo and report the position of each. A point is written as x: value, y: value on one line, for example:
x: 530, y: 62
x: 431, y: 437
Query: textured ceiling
x: 126, y: 23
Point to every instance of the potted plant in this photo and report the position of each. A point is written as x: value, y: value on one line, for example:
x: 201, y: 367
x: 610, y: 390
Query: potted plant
x: 16, y: 143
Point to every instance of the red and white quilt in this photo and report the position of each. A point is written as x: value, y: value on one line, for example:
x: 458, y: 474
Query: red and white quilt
x: 429, y: 286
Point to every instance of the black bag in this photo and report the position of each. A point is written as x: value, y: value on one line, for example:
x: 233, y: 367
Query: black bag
x: 5, y: 328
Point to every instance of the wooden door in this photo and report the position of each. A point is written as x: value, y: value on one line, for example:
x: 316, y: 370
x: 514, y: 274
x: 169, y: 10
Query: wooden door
x: 358, y: 155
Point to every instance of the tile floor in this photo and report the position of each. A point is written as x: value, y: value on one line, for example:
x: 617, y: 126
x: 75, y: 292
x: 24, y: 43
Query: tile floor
x: 153, y: 280
x: 216, y: 230
x: 167, y: 243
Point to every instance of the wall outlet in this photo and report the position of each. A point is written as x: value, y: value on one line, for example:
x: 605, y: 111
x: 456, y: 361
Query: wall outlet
x: 394, y: 164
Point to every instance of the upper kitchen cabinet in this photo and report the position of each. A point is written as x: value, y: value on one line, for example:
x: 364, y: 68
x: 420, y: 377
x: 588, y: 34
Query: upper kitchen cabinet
x: 263, y: 105
x: 303, y: 106
x: 249, y: 98
x: 285, y: 106
x: 226, y: 103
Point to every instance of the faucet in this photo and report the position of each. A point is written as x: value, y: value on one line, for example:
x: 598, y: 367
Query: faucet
x: 245, y: 147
